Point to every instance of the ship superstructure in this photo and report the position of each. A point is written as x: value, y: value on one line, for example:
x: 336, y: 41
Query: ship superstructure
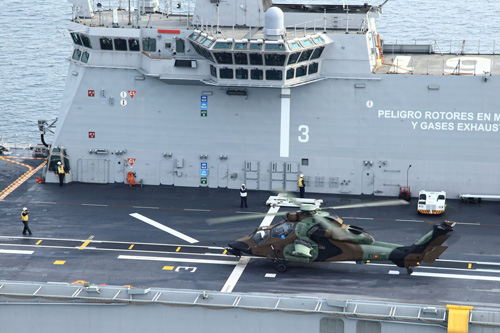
x: 258, y: 92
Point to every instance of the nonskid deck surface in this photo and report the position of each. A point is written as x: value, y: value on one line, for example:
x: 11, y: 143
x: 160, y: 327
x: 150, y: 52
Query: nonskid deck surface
x: 98, y: 233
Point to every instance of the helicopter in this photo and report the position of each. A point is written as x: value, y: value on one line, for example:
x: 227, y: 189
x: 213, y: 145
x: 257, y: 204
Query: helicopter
x: 313, y: 235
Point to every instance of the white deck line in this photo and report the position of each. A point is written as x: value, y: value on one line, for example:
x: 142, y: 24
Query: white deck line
x: 196, y: 261
x: 16, y: 251
x: 242, y: 264
x: 164, y: 228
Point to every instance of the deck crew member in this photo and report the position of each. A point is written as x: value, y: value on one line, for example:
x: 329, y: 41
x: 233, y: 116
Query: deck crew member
x: 61, y: 171
x: 302, y: 185
x: 24, y: 218
x: 243, y: 196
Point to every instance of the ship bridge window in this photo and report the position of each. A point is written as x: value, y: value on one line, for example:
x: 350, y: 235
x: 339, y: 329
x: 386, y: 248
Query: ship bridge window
x: 290, y: 73
x: 257, y: 74
x: 240, y: 46
x: 318, y: 40
x: 194, y: 35
x: 76, y: 54
x: 293, y: 58
x: 294, y: 46
x: 201, y: 39
x: 120, y: 44
x: 86, y: 41
x: 208, y: 42
x: 106, y: 43
x: 223, y: 45
x: 223, y: 58
x: 242, y: 73
x: 149, y: 44
x: 256, y: 59
x: 275, y: 59
x: 305, y: 55
x: 274, y: 75
x: 317, y: 52
x: 275, y: 47
x: 240, y: 59
x: 301, y: 71
x: 180, y: 47
x: 213, y: 71
x: 313, y: 68
x: 85, y: 57
x: 255, y: 46
x: 133, y: 44
x: 306, y: 43
x: 226, y: 73
x: 76, y: 38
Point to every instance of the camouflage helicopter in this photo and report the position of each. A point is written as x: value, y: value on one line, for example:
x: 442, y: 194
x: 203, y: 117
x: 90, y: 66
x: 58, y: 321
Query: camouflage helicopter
x: 310, y: 235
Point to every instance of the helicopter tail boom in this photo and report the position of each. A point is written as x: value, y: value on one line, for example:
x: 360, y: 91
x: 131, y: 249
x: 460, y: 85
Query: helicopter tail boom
x: 427, y: 249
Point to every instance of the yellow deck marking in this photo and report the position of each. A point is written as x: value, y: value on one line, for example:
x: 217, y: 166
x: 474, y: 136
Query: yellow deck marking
x: 59, y: 262
x: 178, y: 249
x: 31, y: 171
x: 168, y: 268
x: 87, y: 242
x: 131, y: 246
x: 37, y: 243
x: 225, y: 251
x: 458, y: 318
x: 470, y: 266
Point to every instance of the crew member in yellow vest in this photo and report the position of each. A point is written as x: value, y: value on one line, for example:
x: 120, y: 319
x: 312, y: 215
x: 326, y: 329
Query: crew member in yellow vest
x: 61, y: 171
x: 302, y: 185
x: 24, y: 218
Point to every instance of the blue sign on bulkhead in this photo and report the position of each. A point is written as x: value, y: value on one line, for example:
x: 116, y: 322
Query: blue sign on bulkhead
x: 203, y: 173
x: 204, y: 106
x: 203, y: 165
x: 204, y: 98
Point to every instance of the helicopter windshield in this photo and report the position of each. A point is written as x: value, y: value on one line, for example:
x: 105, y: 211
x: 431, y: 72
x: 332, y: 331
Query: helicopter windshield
x: 261, y: 236
x: 282, y: 230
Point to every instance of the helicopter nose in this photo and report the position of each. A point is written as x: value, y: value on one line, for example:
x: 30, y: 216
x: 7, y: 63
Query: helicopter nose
x: 237, y: 247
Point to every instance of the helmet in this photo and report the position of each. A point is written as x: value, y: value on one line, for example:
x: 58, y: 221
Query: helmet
x: 242, y: 185
x: 301, y: 175
x: 58, y: 163
x: 25, y: 208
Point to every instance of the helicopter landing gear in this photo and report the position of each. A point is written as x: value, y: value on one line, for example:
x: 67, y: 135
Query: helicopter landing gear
x: 281, y: 267
x: 409, y: 270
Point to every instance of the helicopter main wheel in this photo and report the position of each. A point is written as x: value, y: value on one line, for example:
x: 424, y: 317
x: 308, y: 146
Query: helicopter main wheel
x: 281, y: 267
x: 409, y: 270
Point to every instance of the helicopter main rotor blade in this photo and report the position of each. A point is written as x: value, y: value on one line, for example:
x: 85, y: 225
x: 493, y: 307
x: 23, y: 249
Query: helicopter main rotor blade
x: 219, y: 220
x: 370, y: 204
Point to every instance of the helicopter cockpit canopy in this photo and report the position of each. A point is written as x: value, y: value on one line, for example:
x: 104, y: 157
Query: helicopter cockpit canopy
x: 261, y: 236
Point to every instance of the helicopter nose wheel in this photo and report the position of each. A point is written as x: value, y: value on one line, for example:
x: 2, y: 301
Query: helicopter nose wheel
x: 281, y: 267
x: 409, y: 270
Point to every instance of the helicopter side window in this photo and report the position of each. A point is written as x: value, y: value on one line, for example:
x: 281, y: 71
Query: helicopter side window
x: 261, y: 236
x: 282, y: 230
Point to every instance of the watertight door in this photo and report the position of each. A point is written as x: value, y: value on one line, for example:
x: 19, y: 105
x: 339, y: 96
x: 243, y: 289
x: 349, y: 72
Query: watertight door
x: 252, y: 175
x: 368, y: 180
x: 222, y: 175
x: 119, y: 170
x: 277, y: 176
x: 292, y: 176
x: 167, y: 172
x: 93, y: 171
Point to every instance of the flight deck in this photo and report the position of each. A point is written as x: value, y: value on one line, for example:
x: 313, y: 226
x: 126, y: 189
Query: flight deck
x: 156, y: 236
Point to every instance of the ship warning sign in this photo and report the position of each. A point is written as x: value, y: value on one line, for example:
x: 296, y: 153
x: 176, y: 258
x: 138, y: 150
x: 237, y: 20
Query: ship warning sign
x: 132, y: 93
x: 91, y: 135
x: 123, y: 94
x: 131, y: 161
x: 204, y: 106
x: 91, y: 93
x: 203, y: 173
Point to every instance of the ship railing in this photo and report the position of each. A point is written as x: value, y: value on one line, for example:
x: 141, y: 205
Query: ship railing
x: 448, y: 65
x: 457, y: 47
x: 16, y: 141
